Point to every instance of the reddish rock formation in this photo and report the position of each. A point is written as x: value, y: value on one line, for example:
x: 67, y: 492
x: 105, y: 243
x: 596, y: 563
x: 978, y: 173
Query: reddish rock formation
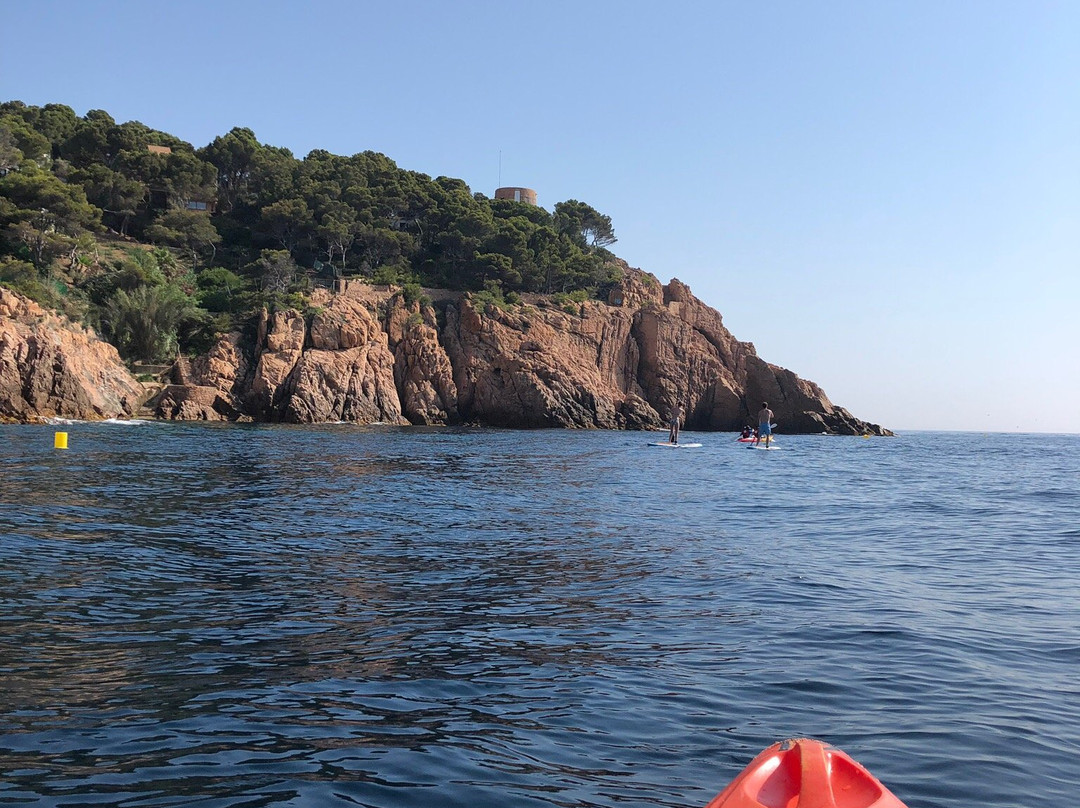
x: 281, y: 344
x: 193, y: 402
x: 422, y: 369
x: 543, y: 367
x: 368, y: 356
x: 53, y: 368
x: 347, y: 372
x: 208, y: 388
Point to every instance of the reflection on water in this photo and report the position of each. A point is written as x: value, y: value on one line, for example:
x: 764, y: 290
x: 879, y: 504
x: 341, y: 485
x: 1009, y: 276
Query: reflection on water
x: 237, y: 616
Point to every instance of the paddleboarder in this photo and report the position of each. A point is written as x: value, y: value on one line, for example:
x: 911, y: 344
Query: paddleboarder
x: 676, y: 416
x: 764, y: 423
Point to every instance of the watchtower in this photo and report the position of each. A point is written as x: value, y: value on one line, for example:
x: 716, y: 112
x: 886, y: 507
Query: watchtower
x: 526, y: 195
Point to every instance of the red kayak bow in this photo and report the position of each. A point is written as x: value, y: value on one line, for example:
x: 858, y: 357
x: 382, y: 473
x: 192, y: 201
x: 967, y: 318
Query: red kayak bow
x: 802, y: 773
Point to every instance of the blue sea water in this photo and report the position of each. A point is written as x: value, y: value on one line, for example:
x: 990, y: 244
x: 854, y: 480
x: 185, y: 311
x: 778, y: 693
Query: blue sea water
x: 304, y: 616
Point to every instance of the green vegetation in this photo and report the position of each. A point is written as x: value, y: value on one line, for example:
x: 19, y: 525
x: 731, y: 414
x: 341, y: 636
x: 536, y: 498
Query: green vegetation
x: 161, y: 245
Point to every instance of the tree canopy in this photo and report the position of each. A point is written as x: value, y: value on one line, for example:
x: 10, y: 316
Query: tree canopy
x: 264, y: 220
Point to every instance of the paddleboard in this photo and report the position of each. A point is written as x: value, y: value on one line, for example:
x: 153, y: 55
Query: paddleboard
x: 678, y: 445
x: 763, y: 446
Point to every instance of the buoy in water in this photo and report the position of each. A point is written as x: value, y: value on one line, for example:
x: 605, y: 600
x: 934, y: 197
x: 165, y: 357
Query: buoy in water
x: 60, y: 440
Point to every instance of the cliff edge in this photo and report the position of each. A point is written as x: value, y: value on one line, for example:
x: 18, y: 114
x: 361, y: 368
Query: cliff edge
x: 51, y: 367
x: 367, y: 355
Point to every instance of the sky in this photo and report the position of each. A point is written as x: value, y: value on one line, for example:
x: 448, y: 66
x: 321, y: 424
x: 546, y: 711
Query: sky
x: 883, y: 197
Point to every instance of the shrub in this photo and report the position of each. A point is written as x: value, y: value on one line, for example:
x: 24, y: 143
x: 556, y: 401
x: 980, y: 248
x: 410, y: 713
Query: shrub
x: 484, y: 299
x: 399, y: 274
x: 143, y: 324
x: 23, y: 277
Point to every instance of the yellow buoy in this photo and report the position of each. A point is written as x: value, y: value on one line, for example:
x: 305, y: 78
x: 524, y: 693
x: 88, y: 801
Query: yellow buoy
x: 60, y: 440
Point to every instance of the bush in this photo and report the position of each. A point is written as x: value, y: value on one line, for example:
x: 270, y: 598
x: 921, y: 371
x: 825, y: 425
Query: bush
x: 143, y: 324
x: 485, y: 299
x: 220, y: 290
x: 23, y: 277
x: 399, y: 274
x: 279, y: 301
x: 410, y: 293
x: 492, y: 295
x: 198, y: 330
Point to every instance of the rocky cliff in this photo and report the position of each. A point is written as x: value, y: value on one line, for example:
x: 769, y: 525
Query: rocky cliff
x: 367, y: 355
x: 51, y: 367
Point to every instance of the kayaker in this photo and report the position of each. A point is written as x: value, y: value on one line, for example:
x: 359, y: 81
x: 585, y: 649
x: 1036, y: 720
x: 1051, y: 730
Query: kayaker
x: 764, y: 423
x: 747, y: 431
x: 676, y: 415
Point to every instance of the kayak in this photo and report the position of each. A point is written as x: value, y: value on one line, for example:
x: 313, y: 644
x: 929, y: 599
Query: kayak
x: 803, y: 773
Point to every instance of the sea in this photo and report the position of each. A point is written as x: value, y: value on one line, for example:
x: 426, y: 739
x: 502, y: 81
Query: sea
x: 336, y: 615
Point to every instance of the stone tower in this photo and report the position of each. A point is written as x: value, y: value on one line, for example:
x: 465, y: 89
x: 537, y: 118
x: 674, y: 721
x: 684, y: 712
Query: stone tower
x: 526, y: 195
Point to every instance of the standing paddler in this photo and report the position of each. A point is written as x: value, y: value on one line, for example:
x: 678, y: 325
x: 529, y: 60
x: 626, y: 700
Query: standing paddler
x: 676, y: 417
x: 764, y: 423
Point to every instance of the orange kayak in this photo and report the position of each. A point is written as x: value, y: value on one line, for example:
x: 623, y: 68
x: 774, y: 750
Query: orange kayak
x: 802, y: 773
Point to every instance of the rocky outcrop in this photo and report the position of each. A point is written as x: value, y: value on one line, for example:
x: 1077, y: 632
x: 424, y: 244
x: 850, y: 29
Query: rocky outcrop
x: 51, y: 367
x: 369, y: 356
x: 193, y: 402
x: 210, y: 387
x: 544, y: 367
x: 422, y: 370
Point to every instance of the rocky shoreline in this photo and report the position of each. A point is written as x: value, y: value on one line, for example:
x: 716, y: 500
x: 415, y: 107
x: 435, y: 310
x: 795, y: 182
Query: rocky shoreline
x: 366, y: 355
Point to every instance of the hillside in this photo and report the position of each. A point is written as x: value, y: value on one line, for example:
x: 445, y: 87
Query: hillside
x: 238, y: 225
x: 347, y: 288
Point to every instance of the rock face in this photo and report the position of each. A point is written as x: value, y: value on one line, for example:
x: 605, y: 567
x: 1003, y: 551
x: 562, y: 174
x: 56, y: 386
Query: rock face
x: 369, y: 356
x: 53, y: 368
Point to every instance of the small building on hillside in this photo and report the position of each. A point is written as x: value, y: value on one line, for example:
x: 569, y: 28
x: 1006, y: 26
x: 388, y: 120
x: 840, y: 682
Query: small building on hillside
x: 526, y: 195
x: 160, y: 197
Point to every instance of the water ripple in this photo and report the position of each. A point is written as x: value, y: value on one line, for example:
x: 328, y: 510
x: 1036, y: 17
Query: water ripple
x: 195, y: 615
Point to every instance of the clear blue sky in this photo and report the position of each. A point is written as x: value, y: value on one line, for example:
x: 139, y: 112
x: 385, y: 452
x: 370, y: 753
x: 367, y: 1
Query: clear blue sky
x: 882, y: 196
